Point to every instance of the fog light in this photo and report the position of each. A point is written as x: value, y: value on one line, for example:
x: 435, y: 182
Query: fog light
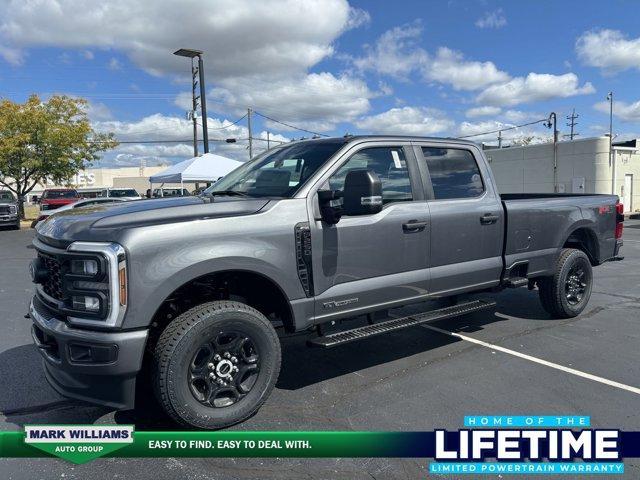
x: 85, y: 303
x: 84, y: 267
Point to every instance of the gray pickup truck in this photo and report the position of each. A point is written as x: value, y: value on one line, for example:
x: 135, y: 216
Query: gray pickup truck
x: 189, y: 296
x: 9, y: 215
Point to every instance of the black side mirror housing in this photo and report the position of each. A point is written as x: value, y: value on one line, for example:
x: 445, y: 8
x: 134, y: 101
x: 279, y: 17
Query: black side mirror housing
x: 362, y: 193
x: 330, y: 212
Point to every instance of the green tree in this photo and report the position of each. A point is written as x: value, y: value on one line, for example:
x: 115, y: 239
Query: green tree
x: 46, y: 140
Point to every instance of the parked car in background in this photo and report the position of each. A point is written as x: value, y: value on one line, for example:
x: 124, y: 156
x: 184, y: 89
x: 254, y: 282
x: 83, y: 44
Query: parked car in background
x: 80, y: 203
x: 9, y: 210
x: 53, y: 198
x: 170, y: 192
x: 124, y: 193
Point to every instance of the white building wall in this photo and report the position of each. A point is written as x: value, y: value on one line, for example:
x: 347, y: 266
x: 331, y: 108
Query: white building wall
x: 529, y: 169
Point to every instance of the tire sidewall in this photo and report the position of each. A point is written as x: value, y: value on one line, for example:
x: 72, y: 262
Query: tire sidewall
x: 576, y: 257
x: 185, y: 405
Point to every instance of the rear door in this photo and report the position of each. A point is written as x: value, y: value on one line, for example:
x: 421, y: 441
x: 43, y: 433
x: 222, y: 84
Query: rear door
x: 369, y: 262
x: 467, y: 219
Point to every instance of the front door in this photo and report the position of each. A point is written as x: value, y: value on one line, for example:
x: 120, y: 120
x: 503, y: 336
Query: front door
x: 371, y: 262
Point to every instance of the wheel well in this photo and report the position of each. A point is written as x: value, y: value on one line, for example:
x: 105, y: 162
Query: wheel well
x: 251, y: 288
x: 586, y: 240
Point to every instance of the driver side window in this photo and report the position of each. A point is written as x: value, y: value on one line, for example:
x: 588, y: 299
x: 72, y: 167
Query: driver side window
x: 389, y: 163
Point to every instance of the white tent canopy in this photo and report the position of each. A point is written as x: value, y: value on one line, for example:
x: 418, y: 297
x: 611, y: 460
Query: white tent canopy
x: 206, y: 168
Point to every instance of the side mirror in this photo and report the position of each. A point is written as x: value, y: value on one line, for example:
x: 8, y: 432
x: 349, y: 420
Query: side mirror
x: 362, y: 193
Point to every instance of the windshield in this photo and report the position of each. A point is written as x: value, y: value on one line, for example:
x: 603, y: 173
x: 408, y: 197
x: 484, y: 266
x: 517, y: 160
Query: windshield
x: 59, y: 194
x: 279, y: 172
x: 125, y: 192
x: 6, y: 197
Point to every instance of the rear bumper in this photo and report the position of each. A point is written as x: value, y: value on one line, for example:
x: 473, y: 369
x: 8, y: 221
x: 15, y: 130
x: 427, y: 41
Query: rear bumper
x: 97, y: 367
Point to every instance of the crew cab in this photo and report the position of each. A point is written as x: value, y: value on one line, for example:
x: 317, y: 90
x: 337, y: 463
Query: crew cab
x: 53, y: 198
x: 190, y: 295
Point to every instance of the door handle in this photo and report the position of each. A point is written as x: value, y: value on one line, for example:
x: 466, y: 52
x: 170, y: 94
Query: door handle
x: 489, y: 219
x: 413, y: 226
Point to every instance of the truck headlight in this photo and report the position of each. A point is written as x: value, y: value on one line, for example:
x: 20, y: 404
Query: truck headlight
x: 84, y: 266
x: 13, y: 209
x: 85, y: 303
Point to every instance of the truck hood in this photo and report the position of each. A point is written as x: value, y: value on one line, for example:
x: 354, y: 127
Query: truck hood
x: 99, y: 222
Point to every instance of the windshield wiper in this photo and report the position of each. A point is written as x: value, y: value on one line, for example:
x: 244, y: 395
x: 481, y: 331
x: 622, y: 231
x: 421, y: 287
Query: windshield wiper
x: 228, y: 192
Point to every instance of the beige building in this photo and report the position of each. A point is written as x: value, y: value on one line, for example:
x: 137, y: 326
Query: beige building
x: 582, y: 166
x: 91, y: 181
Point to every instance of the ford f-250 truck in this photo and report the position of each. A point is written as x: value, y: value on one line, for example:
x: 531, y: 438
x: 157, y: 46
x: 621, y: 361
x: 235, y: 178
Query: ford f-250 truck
x: 188, y: 293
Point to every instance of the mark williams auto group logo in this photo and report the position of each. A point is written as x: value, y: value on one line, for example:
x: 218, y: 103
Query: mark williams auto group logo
x: 78, y: 443
x: 527, y: 445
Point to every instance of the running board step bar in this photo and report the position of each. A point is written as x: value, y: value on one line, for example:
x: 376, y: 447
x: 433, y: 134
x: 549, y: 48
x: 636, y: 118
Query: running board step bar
x: 347, y: 336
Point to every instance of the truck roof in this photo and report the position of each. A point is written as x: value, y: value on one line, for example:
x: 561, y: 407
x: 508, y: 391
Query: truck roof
x: 404, y: 138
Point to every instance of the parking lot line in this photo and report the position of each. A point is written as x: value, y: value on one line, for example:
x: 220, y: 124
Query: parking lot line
x: 540, y: 361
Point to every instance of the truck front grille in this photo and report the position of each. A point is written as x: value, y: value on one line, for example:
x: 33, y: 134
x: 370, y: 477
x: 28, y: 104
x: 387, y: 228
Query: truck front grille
x: 52, y: 286
x: 4, y: 209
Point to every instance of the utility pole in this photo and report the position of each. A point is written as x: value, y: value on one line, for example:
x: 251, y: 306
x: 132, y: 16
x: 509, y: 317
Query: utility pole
x: 499, y: 138
x: 612, y: 160
x: 268, y: 140
x: 572, y: 123
x: 553, y: 122
x: 185, y: 52
x: 203, y: 102
x: 194, y: 111
x: 250, y: 133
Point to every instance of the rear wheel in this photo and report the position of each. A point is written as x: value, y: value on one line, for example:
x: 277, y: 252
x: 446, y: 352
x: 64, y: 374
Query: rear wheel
x: 216, y: 364
x: 567, y: 292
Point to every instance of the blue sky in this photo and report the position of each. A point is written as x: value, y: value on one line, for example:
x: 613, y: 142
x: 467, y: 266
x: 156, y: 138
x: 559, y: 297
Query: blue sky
x: 331, y: 66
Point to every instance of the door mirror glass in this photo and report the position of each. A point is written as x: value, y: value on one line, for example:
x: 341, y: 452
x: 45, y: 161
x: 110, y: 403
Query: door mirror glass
x: 362, y: 193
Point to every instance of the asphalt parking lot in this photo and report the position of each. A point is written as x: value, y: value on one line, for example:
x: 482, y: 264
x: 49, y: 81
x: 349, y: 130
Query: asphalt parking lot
x: 418, y: 379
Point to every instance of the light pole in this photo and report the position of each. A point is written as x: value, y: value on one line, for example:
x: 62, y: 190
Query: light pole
x: 612, y: 160
x: 553, y: 122
x: 185, y: 52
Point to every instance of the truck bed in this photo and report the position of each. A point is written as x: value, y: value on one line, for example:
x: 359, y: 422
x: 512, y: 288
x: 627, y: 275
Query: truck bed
x: 538, y: 225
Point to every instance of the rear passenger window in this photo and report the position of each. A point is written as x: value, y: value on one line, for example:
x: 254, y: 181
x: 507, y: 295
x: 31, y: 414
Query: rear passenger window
x: 390, y: 165
x: 454, y: 173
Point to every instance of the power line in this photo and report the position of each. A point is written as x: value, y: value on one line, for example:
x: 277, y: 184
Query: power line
x: 505, y: 129
x: 290, y: 126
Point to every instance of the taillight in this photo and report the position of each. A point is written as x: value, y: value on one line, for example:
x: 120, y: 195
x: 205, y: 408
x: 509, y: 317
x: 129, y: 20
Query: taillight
x: 619, y: 220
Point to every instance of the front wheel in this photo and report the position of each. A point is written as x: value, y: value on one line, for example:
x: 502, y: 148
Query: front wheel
x: 567, y: 292
x: 216, y: 364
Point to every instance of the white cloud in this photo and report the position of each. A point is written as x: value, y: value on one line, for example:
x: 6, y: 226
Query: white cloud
x: 450, y: 67
x: 484, y: 111
x: 12, y: 56
x: 406, y: 120
x: 629, y: 112
x: 316, y: 101
x: 395, y: 53
x: 533, y: 88
x: 166, y: 128
x: 495, y: 19
x: 609, y: 50
x: 518, y: 116
x: 238, y: 37
x: 98, y: 111
x: 508, y: 136
x: 87, y: 54
x: 114, y: 64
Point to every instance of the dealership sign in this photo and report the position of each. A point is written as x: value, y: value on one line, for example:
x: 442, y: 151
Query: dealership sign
x: 78, y: 444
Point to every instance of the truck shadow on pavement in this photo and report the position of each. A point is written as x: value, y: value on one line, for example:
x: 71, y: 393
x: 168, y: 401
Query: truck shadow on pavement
x: 26, y: 397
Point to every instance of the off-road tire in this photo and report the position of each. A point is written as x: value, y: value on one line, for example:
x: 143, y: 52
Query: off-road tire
x: 179, y: 342
x: 552, y: 289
